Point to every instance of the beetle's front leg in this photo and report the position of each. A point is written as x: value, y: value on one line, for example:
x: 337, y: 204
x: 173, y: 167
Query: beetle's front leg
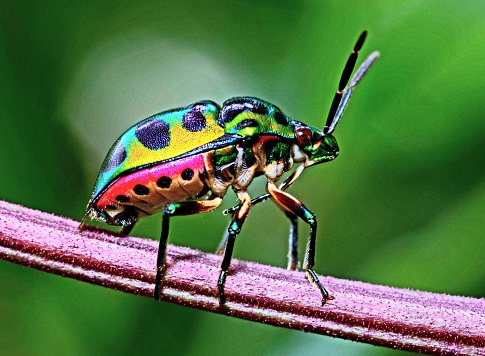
x: 294, y: 206
x: 176, y: 209
x: 232, y: 231
x: 286, y: 184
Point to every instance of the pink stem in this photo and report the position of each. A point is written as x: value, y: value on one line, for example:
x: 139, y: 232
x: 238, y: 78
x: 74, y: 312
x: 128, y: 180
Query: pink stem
x: 397, y: 318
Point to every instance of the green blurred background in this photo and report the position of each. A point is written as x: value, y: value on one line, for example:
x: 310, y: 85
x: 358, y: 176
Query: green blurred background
x: 403, y: 205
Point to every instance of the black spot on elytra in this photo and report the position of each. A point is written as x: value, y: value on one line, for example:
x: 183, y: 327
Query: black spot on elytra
x: 110, y: 207
x: 116, y: 157
x: 246, y: 123
x: 141, y: 189
x: 281, y: 119
x: 187, y: 174
x: 122, y: 198
x: 194, y: 119
x: 164, y: 182
x: 153, y: 134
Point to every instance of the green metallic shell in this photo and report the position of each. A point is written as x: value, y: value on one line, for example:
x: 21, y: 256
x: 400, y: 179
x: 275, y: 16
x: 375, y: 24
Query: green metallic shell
x: 247, y: 117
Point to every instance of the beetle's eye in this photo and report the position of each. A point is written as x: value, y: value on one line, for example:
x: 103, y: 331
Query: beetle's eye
x: 303, y: 136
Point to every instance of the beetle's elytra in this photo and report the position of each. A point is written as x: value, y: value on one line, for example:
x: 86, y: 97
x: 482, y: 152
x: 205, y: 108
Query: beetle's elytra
x: 183, y: 161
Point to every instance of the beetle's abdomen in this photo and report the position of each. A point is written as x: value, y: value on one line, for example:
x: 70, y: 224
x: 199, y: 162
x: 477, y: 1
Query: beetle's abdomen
x: 149, y: 190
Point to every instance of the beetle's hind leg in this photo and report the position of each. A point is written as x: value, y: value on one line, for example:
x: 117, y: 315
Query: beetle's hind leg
x: 295, y: 207
x: 177, y: 209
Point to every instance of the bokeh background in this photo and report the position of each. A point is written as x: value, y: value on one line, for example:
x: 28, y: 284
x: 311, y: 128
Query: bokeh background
x: 403, y: 205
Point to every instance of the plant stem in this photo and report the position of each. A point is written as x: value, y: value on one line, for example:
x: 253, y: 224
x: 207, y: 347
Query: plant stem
x: 379, y: 315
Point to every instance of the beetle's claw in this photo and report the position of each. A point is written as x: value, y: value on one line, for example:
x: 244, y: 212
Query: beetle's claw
x: 325, y: 299
x: 222, y: 299
x: 156, y: 293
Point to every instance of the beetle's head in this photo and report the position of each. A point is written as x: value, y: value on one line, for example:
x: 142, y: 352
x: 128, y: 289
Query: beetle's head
x: 313, y: 145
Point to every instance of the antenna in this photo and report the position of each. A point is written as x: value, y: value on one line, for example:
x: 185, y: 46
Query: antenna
x: 343, y: 94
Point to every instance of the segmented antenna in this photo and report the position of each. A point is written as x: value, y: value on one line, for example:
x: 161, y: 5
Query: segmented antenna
x: 344, y: 79
x: 347, y: 94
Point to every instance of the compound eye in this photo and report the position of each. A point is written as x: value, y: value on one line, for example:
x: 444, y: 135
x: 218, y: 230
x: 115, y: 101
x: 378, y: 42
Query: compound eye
x: 303, y: 136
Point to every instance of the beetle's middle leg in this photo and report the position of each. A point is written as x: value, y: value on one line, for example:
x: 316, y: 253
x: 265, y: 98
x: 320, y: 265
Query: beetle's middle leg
x: 177, y: 209
x: 294, y: 206
x: 232, y: 231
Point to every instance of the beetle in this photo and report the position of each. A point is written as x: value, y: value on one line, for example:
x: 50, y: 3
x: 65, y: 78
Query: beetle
x: 183, y: 161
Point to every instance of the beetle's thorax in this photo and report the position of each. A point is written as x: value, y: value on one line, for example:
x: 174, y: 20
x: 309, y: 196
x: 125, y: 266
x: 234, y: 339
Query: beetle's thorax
x: 237, y: 166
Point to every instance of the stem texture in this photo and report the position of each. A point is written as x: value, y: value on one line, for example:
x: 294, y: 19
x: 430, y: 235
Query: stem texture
x: 379, y: 315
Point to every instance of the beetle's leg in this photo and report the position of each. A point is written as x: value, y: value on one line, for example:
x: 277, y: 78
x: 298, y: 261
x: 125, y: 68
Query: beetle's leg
x: 293, y: 205
x: 223, y: 243
x: 293, y: 242
x: 293, y: 239
x: 255, y: 201
x: 232, y: 231
x: 177, y: 209
x: 286, y: 184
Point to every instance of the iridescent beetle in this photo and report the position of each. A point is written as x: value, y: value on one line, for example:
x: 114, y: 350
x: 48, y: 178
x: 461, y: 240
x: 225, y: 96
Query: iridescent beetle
x: 184, y: 160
